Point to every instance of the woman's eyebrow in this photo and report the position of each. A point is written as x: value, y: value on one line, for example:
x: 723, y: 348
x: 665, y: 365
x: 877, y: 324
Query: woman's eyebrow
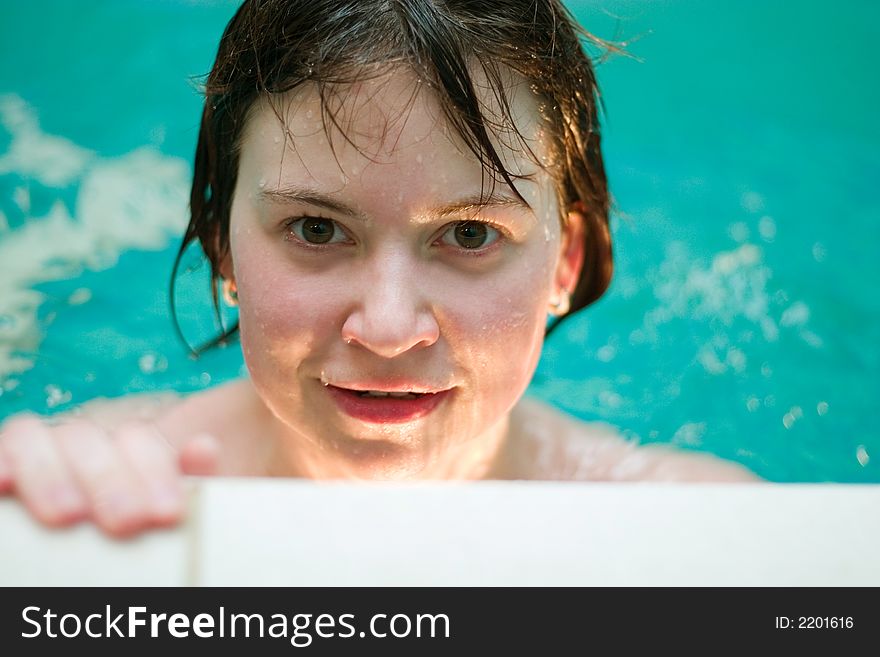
x: 473, y: 202
x: 289, y: 194
x: 478, y: 202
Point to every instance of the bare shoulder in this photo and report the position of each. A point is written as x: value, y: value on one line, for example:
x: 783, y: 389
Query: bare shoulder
x: 230, y: 409
x: 556, y: 446
x: 178, y: 416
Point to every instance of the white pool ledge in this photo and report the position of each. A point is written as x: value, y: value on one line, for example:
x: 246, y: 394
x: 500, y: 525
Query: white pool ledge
x: 269, y: 532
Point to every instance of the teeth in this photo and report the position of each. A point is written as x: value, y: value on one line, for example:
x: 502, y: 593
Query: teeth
x: 396, y: 395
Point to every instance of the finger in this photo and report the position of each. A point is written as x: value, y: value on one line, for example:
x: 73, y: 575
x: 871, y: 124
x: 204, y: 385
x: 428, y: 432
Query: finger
x: 117, y: 498
x: 200, y: 456
x: 155, y: 463
x: 40, y: 474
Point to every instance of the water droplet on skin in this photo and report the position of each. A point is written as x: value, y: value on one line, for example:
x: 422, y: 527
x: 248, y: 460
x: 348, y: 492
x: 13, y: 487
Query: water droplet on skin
x: 262, y: 183
x: 277, y: 139
x: 419, y: 158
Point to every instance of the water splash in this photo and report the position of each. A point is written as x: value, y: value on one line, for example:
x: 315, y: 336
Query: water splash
x: 136, y: 201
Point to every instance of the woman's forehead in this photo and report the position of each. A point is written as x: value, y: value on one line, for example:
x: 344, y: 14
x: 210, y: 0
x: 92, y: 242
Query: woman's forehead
x: 392, y: 118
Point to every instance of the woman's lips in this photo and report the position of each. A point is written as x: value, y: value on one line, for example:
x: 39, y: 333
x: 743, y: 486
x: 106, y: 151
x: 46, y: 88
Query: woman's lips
x: 388, y: 409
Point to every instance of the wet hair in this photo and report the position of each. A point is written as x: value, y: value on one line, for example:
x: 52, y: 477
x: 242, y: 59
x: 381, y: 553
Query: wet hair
x: 270, y: 47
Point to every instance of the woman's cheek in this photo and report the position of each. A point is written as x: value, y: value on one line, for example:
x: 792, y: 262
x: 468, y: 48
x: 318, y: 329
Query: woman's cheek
x: 501, y: 341
x: 285, y: 315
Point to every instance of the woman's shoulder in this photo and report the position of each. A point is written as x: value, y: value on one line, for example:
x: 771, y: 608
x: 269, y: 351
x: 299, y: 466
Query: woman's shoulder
x: 556, y: 446
x: 229, y: 410
x: 213, y: 411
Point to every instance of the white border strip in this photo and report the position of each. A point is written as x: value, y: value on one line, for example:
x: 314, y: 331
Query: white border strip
x: 268, y: 532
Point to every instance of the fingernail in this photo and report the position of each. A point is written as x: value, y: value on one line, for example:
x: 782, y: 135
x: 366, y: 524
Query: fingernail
x: 119, y: 506
x: 166, y: 501
x: 66, y: 499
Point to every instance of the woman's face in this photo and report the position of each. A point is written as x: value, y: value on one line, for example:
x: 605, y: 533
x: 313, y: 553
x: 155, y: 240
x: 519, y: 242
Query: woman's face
x: 367, y: 262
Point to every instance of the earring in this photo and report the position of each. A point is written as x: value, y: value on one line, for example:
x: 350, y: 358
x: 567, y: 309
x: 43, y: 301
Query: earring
x: 561, y: 305
x: 230, y: 292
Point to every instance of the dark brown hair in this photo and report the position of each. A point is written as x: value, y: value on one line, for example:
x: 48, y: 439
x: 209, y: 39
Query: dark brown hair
x: 272, y: 46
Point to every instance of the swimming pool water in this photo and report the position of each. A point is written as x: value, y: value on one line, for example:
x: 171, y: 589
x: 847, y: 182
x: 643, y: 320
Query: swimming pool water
x: 742, y: 151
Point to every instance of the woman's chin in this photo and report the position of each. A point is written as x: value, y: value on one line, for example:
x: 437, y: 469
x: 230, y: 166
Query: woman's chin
x: 380, y: 460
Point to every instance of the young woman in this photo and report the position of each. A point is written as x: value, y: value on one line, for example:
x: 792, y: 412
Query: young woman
x: 396, y: 194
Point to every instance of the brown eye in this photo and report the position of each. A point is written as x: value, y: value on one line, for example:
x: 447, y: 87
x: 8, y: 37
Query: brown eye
x: 318, y: 231
x: 471, y: 234
x: 315, y: 230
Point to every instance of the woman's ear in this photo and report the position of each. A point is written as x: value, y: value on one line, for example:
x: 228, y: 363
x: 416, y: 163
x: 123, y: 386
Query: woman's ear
x: 223, y: 255
x: 571, y: 255
x: 225, y: 268
x: 227, y: 277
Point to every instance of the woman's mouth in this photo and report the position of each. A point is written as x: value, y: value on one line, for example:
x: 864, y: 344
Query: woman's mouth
x: 385, y: 406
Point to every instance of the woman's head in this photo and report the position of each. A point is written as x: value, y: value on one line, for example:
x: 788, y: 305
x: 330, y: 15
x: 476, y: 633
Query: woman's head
x: 399, y: 190
x: 274, y: 46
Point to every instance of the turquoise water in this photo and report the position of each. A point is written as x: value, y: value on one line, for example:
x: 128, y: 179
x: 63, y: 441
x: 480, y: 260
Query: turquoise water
x: 742, y: 149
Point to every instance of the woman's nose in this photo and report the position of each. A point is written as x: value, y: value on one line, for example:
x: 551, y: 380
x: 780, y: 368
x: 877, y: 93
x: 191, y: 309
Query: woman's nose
x: 392, y: 316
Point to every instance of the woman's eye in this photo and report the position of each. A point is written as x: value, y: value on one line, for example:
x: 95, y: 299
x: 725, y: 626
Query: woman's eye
x: 316, y: 230
x: 470, y: 235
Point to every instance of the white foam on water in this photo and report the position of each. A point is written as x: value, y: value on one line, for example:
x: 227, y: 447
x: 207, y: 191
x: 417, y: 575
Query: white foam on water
x: 690, y: 434
x: 136, y: 201
x: 796, y: 314
x: 53, y: 161
x: 734, y: 285
x: 733, y: 288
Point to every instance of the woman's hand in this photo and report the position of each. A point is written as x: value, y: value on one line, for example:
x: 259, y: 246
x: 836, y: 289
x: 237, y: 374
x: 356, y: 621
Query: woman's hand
x: 125, y: 481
